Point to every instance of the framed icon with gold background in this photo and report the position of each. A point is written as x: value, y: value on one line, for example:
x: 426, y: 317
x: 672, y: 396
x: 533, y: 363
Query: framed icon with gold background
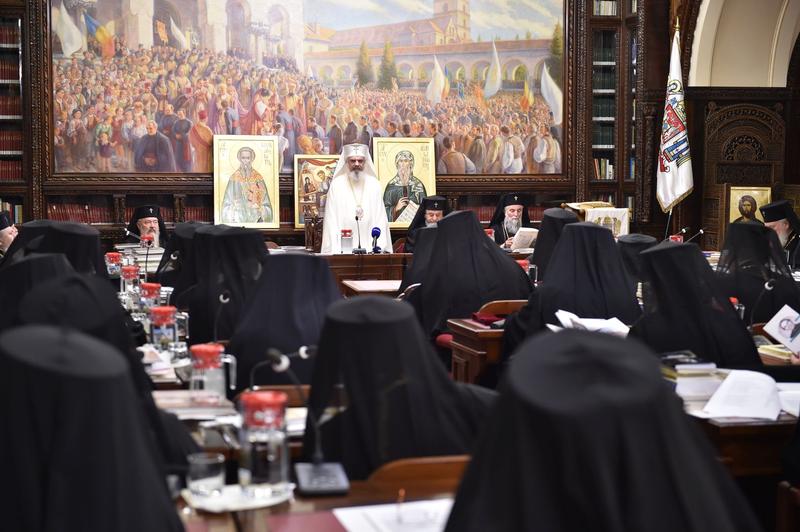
x: 406, y: 169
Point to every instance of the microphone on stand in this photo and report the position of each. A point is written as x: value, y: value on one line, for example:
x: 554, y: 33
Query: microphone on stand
x: 224, y: 299
x: 316, y: 477
x: 769, y: 286
x: 147, y: 240
x: 376, y: 232
x: 683, y: 231
x: 280, y: 362
x: 359, y: 250
x: 134, y: 235
x: 699, y: 233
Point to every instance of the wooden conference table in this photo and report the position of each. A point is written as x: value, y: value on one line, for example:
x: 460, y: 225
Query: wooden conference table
x: 303, y: 514
x: 386, y: 266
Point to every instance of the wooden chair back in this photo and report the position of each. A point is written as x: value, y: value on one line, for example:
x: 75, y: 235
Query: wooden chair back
x: 428, y: 473
x: 502, y: 307
x: 399, y: 245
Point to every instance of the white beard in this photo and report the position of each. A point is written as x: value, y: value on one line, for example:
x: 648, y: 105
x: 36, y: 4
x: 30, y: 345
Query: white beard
x: 354, y: 175
x: 784, y: 238
x: 155, y: 238
x: 512, y: 225
x: 430, y: 224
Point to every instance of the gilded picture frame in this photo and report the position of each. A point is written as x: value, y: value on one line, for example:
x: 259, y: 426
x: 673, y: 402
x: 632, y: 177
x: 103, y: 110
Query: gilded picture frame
x: 403, y: 196
x: 246, y: 189
x: 312, y: 177
x: 739, y: 196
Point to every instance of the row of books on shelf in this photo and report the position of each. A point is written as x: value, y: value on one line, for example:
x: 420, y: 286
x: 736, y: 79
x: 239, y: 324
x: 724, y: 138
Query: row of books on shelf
x: 485, y: 212
x: 603, y: 134
x: 604, y: 79
x: 604, y: 46
x: 10, y: 104
x: 9, y: 70
x: 10, y: 140
x: 10, y: 170
x: 604, y: 106
x: 605, y: 7
x: 603, y: 169
x: 9, y: 34
x: 167, y: 213
x: 14, y: 208
x: 80, y: 212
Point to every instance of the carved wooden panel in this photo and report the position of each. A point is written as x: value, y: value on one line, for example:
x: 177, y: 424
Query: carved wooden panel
x: 744, y: 146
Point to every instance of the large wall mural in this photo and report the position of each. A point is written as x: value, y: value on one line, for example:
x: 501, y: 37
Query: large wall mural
x: 143, y: 85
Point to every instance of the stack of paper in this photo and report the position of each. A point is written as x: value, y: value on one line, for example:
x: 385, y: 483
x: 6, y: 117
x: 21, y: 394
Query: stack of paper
x: 524, y: 238
x: 420, y: 516
x: 747, y: 394
x: 569, y: 320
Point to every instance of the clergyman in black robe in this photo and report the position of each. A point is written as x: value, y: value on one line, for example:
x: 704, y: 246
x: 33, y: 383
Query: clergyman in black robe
x: 510, y: 215
x: 553, y: 222
x: 285, y: 312
x: 586, y: 436
x: 781, y: 218
x: 400, y: 401
x: 752, y: 268
x: 433, y: 209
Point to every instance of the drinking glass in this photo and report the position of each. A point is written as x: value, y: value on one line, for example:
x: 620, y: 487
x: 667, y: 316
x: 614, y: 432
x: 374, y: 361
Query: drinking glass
x: 206, y: 475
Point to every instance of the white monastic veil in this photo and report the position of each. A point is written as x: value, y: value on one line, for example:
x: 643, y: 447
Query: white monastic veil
x: 355, y: 150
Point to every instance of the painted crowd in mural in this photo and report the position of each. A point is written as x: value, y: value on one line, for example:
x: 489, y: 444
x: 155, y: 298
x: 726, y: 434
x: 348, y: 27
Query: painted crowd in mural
x: 482, y: 77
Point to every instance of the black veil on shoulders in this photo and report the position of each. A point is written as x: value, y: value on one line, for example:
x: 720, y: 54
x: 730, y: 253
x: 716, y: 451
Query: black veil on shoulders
x: 466, y: 270
x: 78, y: 454
x: 685, y: 308
x: 553, y: 222
x: 423, y: 250
x: 286, y: 311
x: 228, y: 262
x: 751, y: 258
x: 629, y: 248
x: 25, y: 274
x: 177, y: 267
x: 399, y: 399
x: 586, y: 435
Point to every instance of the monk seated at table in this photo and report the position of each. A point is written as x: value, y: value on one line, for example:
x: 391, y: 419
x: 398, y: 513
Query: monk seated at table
x: 586, y: 436
x: 400, y: 401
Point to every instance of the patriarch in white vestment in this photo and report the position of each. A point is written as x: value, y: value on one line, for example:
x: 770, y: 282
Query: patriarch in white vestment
x: 355, y: 202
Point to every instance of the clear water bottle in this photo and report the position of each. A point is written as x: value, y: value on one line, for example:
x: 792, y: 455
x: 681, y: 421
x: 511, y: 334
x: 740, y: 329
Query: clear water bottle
x: 264, y: 453
x: 113, y: 261
x: 151, y: 295
x: 163, y: 326
x: 208, y: 375
x: 347, y: 240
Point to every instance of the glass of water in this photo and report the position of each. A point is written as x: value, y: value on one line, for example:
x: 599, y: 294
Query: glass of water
x: 206, y: 474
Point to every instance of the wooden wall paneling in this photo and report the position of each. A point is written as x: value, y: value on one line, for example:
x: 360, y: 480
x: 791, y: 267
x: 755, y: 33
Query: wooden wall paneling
x: 739, y: 139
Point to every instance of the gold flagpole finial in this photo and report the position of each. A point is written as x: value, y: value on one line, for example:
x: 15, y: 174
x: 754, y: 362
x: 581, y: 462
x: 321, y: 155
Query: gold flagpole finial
x: 677, y: 24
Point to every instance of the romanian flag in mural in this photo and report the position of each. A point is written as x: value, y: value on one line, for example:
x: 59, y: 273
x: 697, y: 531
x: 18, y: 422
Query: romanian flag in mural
x: 102, y: 34
x: 675, y: 180
x: 526, y: 101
